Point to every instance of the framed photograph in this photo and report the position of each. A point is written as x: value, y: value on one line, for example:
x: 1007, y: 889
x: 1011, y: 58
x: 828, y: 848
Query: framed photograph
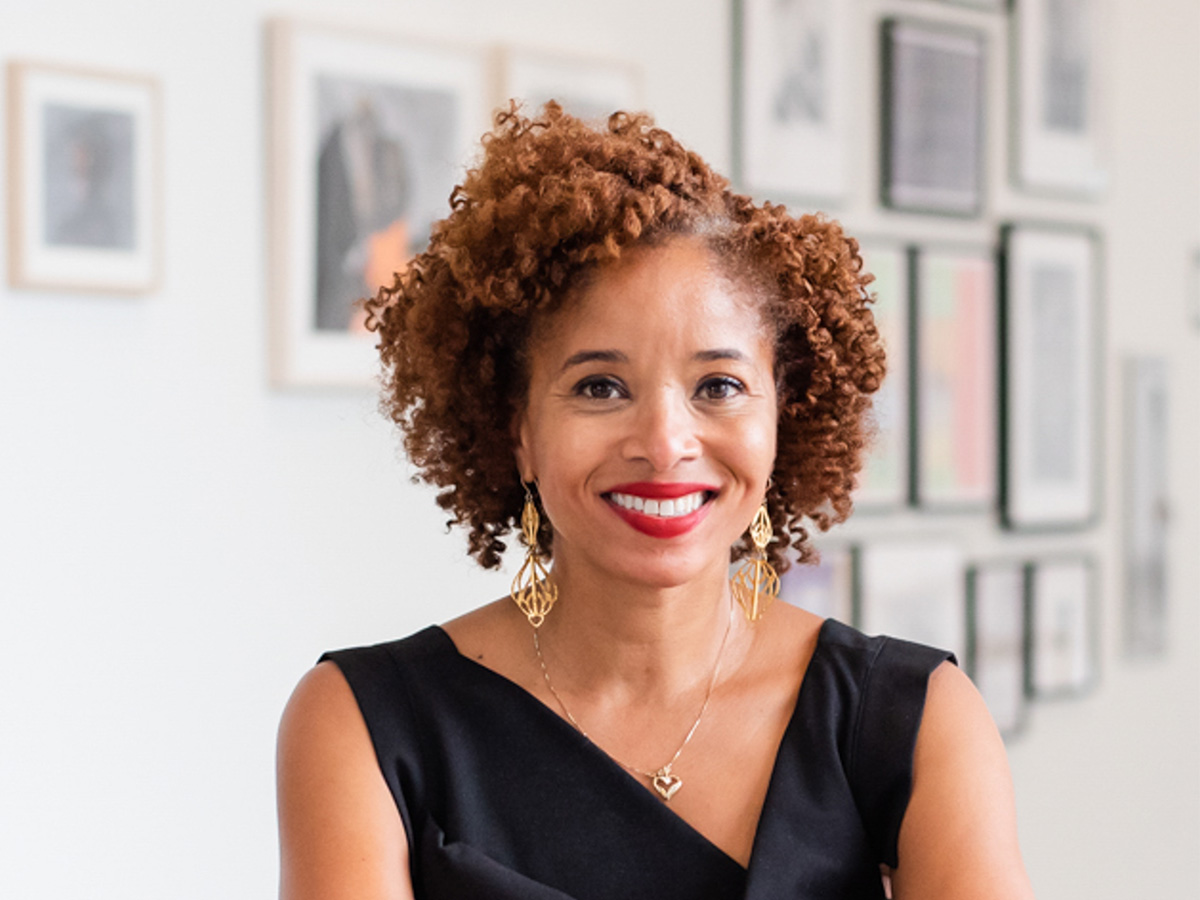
x: 933, y: 136
x: 1147, y: 513
x: 791, y: 98
x: 1059, y: 132
x: 369, y: 136
x: 1061, y: 622
x: 589, y: 89
x: 825, y: 588
x: 996, y: 651
x: 883, y: 482
x: 913, y: 589
x: 1050, y: 386
x: 954, y: 400
x: 84, y: 175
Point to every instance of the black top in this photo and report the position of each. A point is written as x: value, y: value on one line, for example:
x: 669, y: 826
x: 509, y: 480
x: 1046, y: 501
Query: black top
x: 501, y: 798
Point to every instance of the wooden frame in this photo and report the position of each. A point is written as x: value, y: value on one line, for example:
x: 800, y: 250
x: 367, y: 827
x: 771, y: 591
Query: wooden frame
x: 997, y: 652
x: 84, y: 180
x: 1061, y: 622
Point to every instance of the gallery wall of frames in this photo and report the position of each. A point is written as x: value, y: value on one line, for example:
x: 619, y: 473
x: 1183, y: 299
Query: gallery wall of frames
x: 992, y: 412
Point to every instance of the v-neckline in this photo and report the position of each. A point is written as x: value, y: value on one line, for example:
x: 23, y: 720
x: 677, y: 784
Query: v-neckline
x: 645, y: 797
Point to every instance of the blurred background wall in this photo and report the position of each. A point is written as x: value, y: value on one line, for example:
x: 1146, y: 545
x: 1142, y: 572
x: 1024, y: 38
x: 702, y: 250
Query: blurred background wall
x: 179, y: 540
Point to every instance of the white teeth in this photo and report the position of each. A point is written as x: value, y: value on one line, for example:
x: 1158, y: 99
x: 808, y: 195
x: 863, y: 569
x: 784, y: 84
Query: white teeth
x: 667, y: 509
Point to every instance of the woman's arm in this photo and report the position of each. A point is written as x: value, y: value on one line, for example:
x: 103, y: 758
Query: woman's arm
x: 340, y: 833
x: 958, y: 840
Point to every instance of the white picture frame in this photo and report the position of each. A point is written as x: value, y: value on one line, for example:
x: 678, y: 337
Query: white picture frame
x: 84, y: 179
x: 348, y: 110
x: 588, y: 88
x: 996, y: 592
x: 1062, y: 627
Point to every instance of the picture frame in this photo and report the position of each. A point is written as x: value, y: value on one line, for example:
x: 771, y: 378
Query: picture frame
x: 997, y: 634
x: 1061, y: 621
x: 84, y: 166
x: 791, y: 102
x: 368, y: 135
x: 933, y: 88
x: 1060, y: 115
x: 913, y: 589
x: 588, y: 88
x: 954, y: 397
x: 883, y: 483
x: 824, y: 588
x: 1051, y: 391
x: 1147, y: 512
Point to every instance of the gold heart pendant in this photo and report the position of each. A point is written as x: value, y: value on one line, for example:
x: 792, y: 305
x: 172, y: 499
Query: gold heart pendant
x: 666, y: 784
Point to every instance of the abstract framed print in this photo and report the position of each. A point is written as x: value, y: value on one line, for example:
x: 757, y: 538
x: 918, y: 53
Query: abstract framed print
x: 933, y: 134
x: 996, y: 653
x: 587, y: 88
x: 369, y: 135
x: 1050, y: 385
x: 1062, y: 628
x: 791, y: 98
x: 954, y: 366
x: 84, y: 180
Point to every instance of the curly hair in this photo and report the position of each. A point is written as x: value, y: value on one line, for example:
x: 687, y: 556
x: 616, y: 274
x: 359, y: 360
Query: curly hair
x: 553, y: 199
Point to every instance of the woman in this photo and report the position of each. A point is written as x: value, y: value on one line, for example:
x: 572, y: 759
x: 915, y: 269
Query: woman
x: 604, y: 344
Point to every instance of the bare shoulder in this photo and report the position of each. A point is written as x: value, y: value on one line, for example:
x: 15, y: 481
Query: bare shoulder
x: 959, y: 834
x: 494, y: 635
x: 340, y: 831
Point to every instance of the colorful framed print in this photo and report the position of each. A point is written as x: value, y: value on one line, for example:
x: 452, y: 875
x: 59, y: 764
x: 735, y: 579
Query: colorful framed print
x: 996, y: 652
x: 1050, y: 386
x: 1059, y: 133
x: 369, y: 136
x: 824, y: 588
x: 84, y: 176
x: 954, y: 366
x: 1062, y: 628
x: 933, y: 135
x: 590, y: 89
x: 791, y: 98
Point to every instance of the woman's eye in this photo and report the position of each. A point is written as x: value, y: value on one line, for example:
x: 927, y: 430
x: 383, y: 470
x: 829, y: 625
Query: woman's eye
x: 599, y: 389
x: 720, y: 388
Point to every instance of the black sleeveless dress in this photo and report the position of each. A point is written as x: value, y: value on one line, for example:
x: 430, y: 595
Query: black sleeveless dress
x: 502, y: 799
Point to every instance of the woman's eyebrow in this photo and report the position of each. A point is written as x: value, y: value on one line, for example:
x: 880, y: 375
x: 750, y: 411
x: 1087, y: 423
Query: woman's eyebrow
x: 586, y: 356
x: 721, y: 353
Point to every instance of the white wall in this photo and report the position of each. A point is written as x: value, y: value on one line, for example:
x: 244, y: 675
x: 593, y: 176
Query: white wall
x: 178, y: 541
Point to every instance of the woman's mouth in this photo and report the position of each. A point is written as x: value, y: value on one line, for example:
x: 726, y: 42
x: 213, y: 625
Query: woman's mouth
x: 661, y: 510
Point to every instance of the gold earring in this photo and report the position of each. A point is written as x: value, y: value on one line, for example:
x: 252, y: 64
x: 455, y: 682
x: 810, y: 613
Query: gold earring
x: 532, y: 590
x: 755, y: 584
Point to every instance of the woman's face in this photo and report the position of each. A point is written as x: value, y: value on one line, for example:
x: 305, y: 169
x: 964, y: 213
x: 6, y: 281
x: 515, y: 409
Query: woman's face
x: 651, y: 416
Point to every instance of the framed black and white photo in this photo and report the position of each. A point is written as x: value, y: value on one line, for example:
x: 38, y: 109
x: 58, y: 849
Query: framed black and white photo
x: 913, y: 589
x: 1050, y: 390
x: 996, y: 652
x: 586, y: 88
x: 369, y: 136
x: 1062, y: 627
x: 954, y: 396
x: 1059, y: 132
x: 1147, y: 513
x: 84, y: 164
x: 933, y: 133
x: 825, y: 588
x: 883, y: 482
x: 791, y: 98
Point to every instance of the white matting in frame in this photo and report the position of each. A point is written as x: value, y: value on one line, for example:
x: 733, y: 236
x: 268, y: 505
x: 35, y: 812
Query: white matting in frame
x: 1059, y: 133
x: 370, y: 134
x: 1062, y: 653
x: 587, y: 88
x: 996, y: 663
x: 84, y: 162
x: 791, y: 98
x: 883, y: 482
x: 824, y: 588
x: 1051, y: 332
x: 913, y: 589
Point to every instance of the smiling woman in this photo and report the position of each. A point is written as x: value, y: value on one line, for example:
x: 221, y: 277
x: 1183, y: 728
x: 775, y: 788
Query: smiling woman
x: 651, y: 376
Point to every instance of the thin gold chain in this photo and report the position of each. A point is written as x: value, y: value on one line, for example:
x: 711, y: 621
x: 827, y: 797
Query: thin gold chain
x: 712, y: 683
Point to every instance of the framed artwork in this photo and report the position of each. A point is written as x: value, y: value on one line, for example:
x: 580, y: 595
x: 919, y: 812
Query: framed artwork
x: 84, y: 178
x: 1061, y: 623
x: 913, y: 589
x: 369, y: 136
x: 996, y: 652
x: 1147, y: 512
x: 933, y: 140
x: 825, y: 588
x: 589, y: 89
x: 883, y: 482
x: 1050, y: 386
x: 791, y: 98
x: 1059, y: 96
x: 954, y: 396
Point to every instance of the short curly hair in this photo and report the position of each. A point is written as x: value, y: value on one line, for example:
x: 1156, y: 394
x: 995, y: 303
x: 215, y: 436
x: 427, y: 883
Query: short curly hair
x: 552, y: 199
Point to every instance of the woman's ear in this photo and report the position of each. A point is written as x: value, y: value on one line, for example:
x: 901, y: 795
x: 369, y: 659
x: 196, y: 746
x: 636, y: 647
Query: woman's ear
x: 521, y: 447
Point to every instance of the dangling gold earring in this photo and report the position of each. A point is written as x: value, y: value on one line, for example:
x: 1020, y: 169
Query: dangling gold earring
x: 532, y: 590
x: 755, y: 584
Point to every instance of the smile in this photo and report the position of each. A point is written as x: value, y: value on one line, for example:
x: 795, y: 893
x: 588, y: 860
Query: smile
x: 661, y: 510
x: 666, y: 509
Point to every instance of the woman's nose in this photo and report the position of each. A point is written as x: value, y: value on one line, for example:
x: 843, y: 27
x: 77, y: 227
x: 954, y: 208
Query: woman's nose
x: 663, y: 432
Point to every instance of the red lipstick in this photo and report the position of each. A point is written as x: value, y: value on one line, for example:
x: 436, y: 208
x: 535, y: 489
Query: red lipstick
x: 658, y: 526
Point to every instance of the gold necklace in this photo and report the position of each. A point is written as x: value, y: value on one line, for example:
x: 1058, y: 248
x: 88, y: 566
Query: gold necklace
x: 665, y: 782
